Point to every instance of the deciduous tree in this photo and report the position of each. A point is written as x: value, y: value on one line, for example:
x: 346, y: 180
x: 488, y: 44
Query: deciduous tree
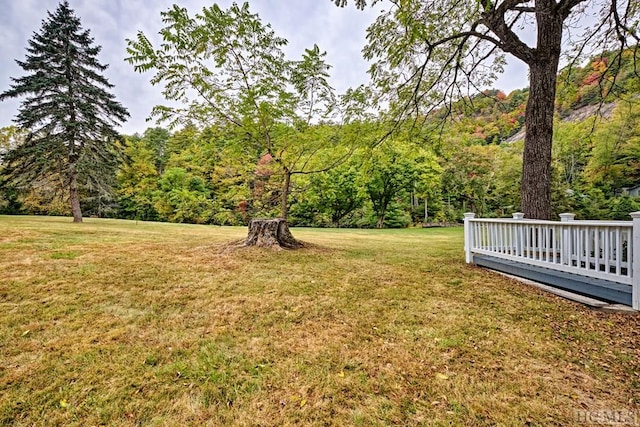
x: 228, y: 68
x: 429, y: 53
x: 391, y: 174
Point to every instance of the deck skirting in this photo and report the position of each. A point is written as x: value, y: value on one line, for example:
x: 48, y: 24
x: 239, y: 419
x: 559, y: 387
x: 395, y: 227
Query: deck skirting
x: 601, y: 289
x: 599, y: 259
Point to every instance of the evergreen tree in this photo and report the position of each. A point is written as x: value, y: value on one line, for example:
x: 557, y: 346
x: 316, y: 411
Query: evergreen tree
x: 68, y: 114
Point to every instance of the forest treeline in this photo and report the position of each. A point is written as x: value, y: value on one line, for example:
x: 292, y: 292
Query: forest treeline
x: 466, y: 158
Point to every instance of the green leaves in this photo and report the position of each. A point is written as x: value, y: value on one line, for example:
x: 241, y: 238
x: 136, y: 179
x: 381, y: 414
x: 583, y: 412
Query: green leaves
x: 227, y: 68
x: 142, y: 54
x: 228, y: 59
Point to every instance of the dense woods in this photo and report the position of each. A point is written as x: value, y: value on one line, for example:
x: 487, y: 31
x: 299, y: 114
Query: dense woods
x: 432, y: 171
x: 252, y: 133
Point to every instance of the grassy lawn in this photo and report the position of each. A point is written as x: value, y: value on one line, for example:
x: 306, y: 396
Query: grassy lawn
x: 121, y: 323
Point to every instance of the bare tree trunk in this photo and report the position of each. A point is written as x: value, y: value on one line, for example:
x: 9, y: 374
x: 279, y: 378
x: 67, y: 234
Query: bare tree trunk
x: 74, y: 199
x: 536, y: 162
x: 426, y: 209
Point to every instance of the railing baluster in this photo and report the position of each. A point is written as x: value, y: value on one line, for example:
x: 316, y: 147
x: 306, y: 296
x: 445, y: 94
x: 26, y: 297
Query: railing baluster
x: 596, y: 248
x: 572, y: 245
x: 563, y: 249
x: 578, y: 234
x: 605, y: 250
x: 580, y: 239
x: 494, y: 239
x: 618, y: 251
x: 532, y: 241
x: 629, y: 251
x: 505, y: 239
x: 540, y: 242
x: 554, y: 246
x: 547, y: 244
x: 548, y: 235
x: 487, y: 236
x: 587, y: 245
x: 520, y: 240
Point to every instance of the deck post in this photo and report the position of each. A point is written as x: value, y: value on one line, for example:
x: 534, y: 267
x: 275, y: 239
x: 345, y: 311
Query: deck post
x: 635, y: 262
x: 468, y: 236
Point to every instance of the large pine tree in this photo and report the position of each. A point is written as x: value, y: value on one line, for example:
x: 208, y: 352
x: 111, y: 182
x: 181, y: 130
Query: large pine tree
x: 68, y: 114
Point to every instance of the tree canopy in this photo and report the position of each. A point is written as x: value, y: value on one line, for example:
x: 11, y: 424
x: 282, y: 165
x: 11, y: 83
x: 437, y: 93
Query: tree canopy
x: 225, y: 67
x: 422, y: 65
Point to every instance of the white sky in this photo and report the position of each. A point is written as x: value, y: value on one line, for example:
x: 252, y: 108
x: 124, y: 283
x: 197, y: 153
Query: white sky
x: 339, y: 31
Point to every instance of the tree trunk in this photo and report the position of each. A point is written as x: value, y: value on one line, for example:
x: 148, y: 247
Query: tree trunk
x: 536, y: 162
x: 284, y: 200
x: 426, y: 209
x: 271, y: 233
x: 74, y: 200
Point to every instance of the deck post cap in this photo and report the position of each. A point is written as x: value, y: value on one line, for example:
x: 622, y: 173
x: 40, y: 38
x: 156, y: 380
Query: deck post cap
x: 469, y: 215
x: 567, y: 217
x: 635, y: 215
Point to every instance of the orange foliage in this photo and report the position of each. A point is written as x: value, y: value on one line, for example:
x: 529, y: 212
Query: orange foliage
x: 591, y: 78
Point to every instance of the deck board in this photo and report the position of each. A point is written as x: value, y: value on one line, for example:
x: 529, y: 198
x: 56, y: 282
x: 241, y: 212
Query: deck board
x: 597, y: 288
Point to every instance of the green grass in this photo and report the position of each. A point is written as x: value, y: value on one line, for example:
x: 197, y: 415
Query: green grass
x: 121, y: 323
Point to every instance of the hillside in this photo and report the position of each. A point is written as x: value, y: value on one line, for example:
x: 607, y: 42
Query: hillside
x: 582, y: 92
x: 578, y: 115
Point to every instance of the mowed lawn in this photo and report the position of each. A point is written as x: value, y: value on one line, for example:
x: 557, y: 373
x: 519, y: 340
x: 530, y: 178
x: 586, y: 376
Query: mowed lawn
x: 121, y: 323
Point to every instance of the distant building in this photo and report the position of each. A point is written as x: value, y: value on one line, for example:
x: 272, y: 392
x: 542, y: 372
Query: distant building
x: 631, y: 191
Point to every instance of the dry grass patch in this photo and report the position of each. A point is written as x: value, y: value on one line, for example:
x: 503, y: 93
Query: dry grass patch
x: 121, y: 323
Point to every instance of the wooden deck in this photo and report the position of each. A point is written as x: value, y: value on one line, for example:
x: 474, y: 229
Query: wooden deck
x: 592, y: 287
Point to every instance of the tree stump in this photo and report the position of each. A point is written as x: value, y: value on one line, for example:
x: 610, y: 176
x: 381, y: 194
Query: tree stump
x: 271, y: 233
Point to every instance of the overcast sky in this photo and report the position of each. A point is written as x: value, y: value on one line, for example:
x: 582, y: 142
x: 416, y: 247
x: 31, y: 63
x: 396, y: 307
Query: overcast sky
x: 341, y: 32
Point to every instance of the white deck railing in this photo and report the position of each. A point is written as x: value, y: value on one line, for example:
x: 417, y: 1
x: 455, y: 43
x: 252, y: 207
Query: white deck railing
x: 603, y: 249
